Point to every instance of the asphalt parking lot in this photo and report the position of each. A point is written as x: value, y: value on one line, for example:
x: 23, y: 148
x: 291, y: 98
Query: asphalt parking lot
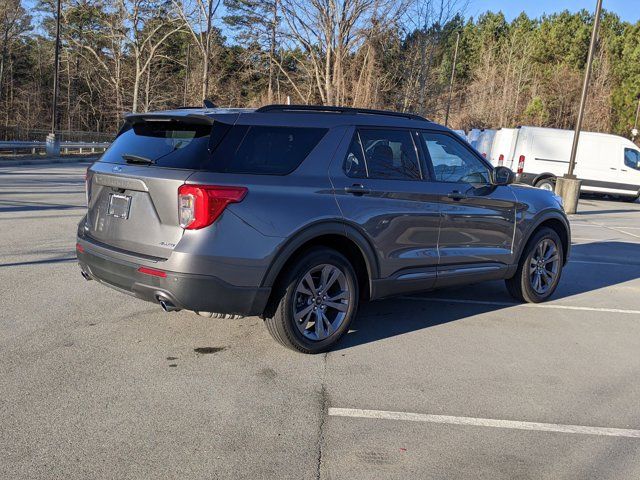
x: 457, y: 383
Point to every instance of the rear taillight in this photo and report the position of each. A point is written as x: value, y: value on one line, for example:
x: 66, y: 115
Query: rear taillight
x: 86, y: 185
x: 521, y: 164
x: 200, y: 205
x: 501, y: 160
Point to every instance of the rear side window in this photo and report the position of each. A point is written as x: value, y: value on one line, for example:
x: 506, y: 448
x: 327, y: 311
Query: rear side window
x: 264, y: 150
x: 168, y: 144
x: 382, y: 154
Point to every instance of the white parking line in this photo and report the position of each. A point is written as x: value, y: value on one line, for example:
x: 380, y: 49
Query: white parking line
x: 617, y: 264
x: 526, y: 305
x: 483, y: 422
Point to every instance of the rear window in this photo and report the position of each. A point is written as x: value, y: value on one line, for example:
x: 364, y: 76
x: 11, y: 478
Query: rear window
x: 236, y: 149
x: 167, y: 143
x: 264, y: 150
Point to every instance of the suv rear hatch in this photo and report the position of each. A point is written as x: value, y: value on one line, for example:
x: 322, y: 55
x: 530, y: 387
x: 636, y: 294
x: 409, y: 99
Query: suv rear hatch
x: 132, y: 190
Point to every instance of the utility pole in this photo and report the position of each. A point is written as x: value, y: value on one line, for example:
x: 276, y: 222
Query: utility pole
x: 53, y: 143
x: 569, y: 186
x: 453, y: 73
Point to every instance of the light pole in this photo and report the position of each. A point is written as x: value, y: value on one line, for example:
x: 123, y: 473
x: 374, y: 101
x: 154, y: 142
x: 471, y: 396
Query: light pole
x: 53, y: 143
x: 569, y: 186
x: 453, y: 73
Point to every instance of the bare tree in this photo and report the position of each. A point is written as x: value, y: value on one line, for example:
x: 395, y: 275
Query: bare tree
x: 198, y: 17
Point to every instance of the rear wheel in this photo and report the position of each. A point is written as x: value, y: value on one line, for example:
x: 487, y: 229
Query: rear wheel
x: 539, y: 269
x: 546, y: 184
x: 317, y: 299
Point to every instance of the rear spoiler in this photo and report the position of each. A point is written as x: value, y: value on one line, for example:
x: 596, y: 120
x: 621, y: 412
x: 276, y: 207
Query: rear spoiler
x: 191, y: 118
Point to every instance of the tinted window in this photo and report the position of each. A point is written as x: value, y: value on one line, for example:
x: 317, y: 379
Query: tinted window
x: 167, y: 143
x: 264, y: 150
x: 451, y: 161
x: 632, y: 158
x: 389, y: 154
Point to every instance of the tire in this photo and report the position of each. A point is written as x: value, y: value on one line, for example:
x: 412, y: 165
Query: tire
x: 548, y: 184
x: 295, y: 298
x: 523, y: 285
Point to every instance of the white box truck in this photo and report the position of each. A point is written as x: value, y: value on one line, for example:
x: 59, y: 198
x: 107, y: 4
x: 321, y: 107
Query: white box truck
x: 606, y: 164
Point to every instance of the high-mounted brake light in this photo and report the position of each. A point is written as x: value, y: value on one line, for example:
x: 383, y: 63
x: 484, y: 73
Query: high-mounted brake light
x: 200, y: 205
x: 501, y: 160
x: 521, y: 164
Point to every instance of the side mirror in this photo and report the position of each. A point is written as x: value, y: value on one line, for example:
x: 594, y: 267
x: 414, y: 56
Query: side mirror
x: 502, y: 176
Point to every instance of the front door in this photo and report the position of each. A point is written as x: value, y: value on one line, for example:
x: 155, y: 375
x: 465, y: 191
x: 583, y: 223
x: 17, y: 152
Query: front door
x: 478, y: 219
x: 378, y: 182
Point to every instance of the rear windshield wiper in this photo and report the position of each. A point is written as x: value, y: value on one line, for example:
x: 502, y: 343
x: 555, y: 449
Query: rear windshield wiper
x: 138, y: 159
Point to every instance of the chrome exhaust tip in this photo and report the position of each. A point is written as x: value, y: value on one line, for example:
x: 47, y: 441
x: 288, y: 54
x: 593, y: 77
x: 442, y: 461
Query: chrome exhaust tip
x: 85, y: 275
x: 167, y: 305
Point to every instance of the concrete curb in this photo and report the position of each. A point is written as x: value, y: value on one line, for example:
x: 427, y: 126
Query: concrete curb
x: 17, y: 162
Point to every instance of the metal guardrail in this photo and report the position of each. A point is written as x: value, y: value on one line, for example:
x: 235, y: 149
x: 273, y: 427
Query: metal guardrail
x: 65, y: 147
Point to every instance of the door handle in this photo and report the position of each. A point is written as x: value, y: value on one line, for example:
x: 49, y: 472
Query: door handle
x: 357, y: 189
x: 456, y: 195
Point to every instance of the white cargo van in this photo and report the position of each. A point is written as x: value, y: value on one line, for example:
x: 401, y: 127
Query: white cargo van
x: 605, y: 163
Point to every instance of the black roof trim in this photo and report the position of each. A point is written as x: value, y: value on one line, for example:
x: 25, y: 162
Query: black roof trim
x: 332, y: 109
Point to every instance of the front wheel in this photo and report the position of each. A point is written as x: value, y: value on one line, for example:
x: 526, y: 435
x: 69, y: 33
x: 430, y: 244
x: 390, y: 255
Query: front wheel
x: 317, y: 299
x: 539, y: 269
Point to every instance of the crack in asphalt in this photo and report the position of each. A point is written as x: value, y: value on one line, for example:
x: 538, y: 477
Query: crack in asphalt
x: 323, y: 418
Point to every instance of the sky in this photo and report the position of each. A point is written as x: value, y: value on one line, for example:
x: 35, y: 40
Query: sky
x: 628, y: 10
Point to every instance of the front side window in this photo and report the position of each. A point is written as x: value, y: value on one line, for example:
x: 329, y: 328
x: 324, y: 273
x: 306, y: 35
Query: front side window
x: 451, y: 161
x: 388, y: 155
x: 632, y: 158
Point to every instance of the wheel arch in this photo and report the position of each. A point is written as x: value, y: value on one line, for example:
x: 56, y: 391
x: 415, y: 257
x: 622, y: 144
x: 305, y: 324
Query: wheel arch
x: 340, y: 236
x: 543, y: 176
x: 557, y: 222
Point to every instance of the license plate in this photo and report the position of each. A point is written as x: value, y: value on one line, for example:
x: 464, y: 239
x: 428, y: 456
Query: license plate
x: 119, y: 205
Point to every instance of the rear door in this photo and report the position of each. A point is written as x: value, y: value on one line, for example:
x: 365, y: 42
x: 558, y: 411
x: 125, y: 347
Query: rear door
x: 378, y: 181
x: 133, y: 188
x: 478, y: 219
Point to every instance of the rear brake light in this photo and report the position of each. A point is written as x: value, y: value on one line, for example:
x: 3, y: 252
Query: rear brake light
x: 200, y: 205
x: 521, y: 164
x: 501, y: 160
x: 153, y: 272
x: 79, y: 248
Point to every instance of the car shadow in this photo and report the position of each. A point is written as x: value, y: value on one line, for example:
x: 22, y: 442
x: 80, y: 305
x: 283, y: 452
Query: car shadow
x: 595, y: 266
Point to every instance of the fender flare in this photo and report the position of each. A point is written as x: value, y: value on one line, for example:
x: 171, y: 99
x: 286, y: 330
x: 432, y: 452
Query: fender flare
x: 315, y: 230
x: 538, y: 220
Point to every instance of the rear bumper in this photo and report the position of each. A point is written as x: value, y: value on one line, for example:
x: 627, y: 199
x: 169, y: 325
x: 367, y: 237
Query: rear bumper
x: 202, y: 293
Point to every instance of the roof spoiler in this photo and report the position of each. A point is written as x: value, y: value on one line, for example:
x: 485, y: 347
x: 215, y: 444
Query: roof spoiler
x: 191, y: 118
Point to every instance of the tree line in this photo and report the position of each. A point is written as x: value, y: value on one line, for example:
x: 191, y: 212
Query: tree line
x: 120, y: 56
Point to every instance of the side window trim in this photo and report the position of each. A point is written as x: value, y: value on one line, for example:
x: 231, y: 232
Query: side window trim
x: 364, y: 157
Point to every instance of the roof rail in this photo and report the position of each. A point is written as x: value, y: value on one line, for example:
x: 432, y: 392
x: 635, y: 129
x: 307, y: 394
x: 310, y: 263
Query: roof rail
x: 332, y: 109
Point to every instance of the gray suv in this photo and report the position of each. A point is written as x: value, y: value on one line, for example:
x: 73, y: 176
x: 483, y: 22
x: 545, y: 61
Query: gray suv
x: 297, y: 213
